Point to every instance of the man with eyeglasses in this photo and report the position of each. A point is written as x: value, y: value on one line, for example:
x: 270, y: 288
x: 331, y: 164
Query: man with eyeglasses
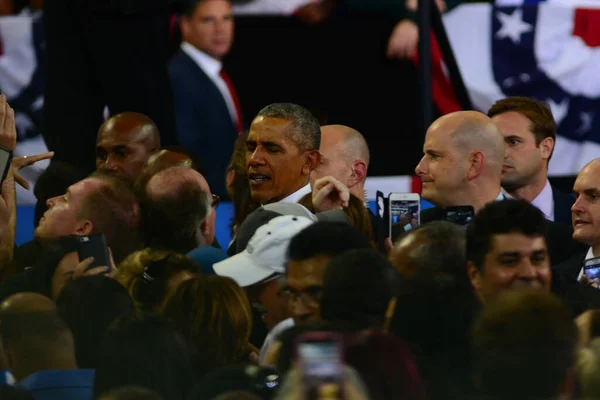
x: 178, y: 210
x: 308, y: 255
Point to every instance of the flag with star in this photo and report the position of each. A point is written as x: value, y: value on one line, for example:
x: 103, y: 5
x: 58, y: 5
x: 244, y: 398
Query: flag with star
x: 546, y: 51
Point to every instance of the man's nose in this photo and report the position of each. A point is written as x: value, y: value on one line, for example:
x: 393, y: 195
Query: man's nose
x: 111, y: 164
x: 256, y: 158
x: 420, y: 169
x: 51, y: 202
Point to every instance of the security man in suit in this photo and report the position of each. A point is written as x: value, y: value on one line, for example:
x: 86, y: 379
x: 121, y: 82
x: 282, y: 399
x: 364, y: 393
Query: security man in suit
x: 462, y: 166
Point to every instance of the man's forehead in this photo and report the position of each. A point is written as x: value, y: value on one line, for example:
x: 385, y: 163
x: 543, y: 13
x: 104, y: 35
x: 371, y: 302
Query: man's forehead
x: 517, y: 242
x: 85, y: 185
x: 588, y: 178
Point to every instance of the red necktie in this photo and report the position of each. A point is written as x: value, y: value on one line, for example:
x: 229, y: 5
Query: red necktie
x: 236, y: 102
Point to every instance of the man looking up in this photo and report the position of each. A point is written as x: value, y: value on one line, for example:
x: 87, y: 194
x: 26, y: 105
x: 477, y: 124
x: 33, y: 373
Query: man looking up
x: 282, y: 151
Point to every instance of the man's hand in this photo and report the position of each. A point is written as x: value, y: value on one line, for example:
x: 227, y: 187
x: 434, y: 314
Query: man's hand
x: 107, y: 270
x: 403, y: 40
x: 26, y: 161
x: 8, y: 130
x: 330, y: 194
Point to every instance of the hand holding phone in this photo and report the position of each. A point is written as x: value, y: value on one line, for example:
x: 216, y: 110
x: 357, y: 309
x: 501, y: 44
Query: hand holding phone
x: 93, y: 245
x: 590, y: 273
x: 319, y: 356
x: 404, y: 212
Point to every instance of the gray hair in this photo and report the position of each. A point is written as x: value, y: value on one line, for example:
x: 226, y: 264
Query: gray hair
x: 307, y: 130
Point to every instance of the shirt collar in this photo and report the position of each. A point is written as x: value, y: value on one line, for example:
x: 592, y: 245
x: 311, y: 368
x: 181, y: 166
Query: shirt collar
x: 297, y: 195
x: 545, y: 201
x: 500, y: 197
x: 209, y: 65
x: 590, y: 254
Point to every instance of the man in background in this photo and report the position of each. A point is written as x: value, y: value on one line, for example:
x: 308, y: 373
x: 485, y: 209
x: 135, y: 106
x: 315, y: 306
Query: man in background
x: 207, y: 110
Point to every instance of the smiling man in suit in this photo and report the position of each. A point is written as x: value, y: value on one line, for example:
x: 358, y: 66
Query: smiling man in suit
x: 462, y: 166
x: 206, y: 106
x: 529, y: 133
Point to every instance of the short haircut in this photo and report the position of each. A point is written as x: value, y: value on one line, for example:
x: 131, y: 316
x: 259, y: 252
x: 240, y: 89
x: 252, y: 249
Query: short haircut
x: 32, y: 335
x: 358, y: 286
x: 173, y: 220
x: 523, y: 346
x: 501, y: 217
x: 114, y: 211
x: 326, y: 239
x: 441, y: 256
x: 99, y: 296
x: 306, y: 129
x: 144, y: 350
x: 537, y: 112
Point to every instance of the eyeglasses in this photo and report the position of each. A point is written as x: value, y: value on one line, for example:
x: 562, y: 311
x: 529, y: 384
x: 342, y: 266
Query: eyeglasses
x: 310, y: 298
x: 215, y: 201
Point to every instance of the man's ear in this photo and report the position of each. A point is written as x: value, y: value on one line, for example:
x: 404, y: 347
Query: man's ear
x: 546, y: 147
x: 474, y: 275
x: 84, y: 227
x: 476, y: 164
x: 311, y: 161
x: 184, y: 25
x: 359, y: 173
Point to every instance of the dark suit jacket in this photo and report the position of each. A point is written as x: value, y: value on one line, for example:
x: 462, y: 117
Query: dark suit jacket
x: 559, y: 238
x: 579, y: 297
x: 562, y: 207
x: 204, y: 125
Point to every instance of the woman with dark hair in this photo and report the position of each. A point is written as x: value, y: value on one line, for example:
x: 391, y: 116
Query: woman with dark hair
x: 143, y: 350
x: 238, y: 186
x: 89, y: 305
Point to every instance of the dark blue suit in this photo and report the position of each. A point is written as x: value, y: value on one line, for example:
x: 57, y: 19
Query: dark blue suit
x: 204, y: 125
x: 562, y: 207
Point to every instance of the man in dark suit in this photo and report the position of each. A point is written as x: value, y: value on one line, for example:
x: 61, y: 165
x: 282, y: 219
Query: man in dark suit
x: 529, y: 133
x: 462, y: 165
x: 207, y: 111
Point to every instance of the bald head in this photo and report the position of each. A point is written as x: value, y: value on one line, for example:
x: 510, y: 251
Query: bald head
x: 462, y: 165
x: 168, y: 180
x: 164, y: 159
x: 124, y: 143
x: 345, y: 156
x: 179, y: 212
x: 27, y: 302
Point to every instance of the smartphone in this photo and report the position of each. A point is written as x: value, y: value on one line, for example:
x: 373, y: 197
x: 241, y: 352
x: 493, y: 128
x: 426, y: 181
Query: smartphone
x: 93, y: 245
x: 591, y: 271
x: 319, y: 356
x: 405, y: 210
x: 5, y: 160
x: 461, y: 215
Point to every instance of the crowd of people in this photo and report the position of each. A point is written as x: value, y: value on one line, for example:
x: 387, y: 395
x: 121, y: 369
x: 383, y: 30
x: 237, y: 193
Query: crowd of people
x: 506, y: 306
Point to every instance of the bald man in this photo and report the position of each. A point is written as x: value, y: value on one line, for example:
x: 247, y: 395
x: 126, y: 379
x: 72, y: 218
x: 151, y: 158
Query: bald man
x: 345, y: 156
x: 586, y: 218
x: 124, y: 143
x: 462, y: 166
x: 27, y: 302
x: 178, y: 210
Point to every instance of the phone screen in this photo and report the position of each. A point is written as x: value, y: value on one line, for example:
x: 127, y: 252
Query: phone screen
x: 591, y: 270
x: 322, y: 369
x: 461, y: 217
x: 404, y: 216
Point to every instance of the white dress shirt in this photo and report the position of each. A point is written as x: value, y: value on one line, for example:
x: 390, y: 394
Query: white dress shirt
x: 297, y: 195
x: 588, y: 256
x: 272, y: 336
x: 212, y: 67
x: 270, y: 7
x: 543, y: 201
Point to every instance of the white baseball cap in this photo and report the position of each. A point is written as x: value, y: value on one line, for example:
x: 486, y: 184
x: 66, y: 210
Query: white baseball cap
x: 265, y: 253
